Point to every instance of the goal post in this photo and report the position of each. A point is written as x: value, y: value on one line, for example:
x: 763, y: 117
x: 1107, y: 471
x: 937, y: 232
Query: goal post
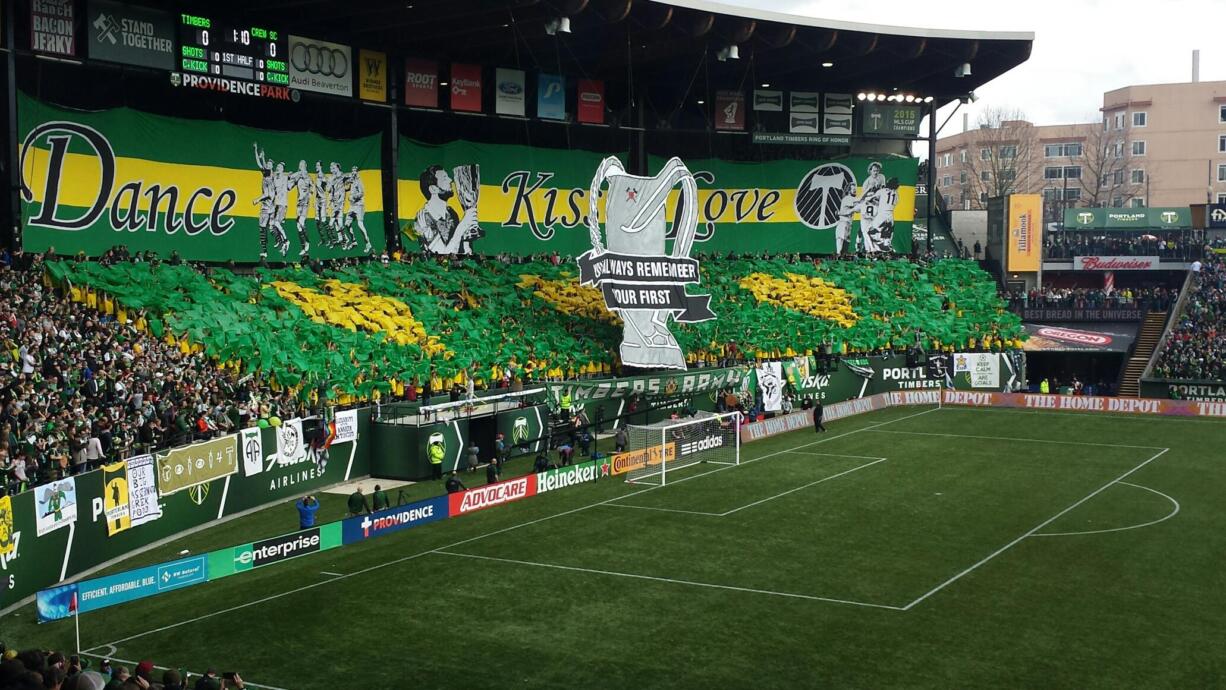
x: 655, y: 451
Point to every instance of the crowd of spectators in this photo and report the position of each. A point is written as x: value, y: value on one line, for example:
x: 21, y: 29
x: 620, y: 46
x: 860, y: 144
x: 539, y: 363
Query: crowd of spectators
x: 1196, y: 348
x: 34, y: 669
x: 78, y: 389
x: 1156, y: 298
x: 1185, y: 244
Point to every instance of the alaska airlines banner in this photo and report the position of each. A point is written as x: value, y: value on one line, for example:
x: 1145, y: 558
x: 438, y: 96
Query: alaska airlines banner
x: 469, y: 198
x: 211, y: 191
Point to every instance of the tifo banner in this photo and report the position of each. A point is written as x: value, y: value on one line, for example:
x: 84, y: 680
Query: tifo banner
x: 320, y: 66
x: 183, y: 468
x: 491, y: 495
x: 56, y: 505
x: 211, y: 191
x: 818, y: 207
x: 466, y: 198
x: 1025, y: 232
x: 143, y: 504
x: 1065, y: 338
x: 291, y: 443
x: 770, y: 383
x: 115, y: 498
x: 391, y: 520
x: 1116, y: 263
x: 130, y: 34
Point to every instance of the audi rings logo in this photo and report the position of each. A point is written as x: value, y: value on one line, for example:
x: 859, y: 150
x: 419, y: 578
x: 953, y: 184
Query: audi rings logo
x: 321, y: 60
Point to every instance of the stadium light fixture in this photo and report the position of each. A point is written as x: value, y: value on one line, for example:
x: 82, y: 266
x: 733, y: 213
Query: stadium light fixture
x: 862, y: 96
x: 558, y: 25
x: 909, y: 98
x: 729, y: 52
x: 964, y: 70
x: 928, y: 99
x: 766, y: 85
x: 701, y: 102
x: 881, y: 96
x: 827, y: 65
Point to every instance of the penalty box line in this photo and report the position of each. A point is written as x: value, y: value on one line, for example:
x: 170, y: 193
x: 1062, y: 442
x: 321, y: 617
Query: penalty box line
x: 667, y: 580
x: 726, y: 513
x: 1034, y: 530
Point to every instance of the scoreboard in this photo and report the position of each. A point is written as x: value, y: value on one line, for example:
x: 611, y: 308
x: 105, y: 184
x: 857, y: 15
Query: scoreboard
x: 247, y: 53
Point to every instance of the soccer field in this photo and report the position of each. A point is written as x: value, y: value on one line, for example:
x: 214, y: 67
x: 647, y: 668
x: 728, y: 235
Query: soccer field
x: 908, y: 547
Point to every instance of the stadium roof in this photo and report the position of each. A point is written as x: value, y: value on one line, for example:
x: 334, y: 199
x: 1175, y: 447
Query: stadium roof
x: 661, y: 40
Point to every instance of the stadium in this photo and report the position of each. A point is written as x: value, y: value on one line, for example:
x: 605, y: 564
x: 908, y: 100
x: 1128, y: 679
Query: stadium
x: 609, y: 343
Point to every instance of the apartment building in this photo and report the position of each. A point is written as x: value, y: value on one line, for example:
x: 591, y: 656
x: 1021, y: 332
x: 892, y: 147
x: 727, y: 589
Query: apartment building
x: 1157, y: 145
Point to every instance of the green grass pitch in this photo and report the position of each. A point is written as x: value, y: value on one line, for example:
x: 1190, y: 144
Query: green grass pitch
x: 914, y: 547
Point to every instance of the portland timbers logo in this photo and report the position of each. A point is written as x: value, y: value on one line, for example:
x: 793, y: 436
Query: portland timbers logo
x: 821, y: 193
x: 198, y: 493
x: 519, y: 430
x: 436, y: 440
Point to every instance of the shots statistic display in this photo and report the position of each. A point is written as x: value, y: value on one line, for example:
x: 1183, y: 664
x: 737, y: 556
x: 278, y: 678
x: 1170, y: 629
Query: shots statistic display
x: 218, y: 49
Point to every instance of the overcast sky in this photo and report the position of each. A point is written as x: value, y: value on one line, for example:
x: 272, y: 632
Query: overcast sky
x: 1081, y: 47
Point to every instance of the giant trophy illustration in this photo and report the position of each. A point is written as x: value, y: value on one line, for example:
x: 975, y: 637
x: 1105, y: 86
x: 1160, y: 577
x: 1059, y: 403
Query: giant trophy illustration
x: 640, y: 282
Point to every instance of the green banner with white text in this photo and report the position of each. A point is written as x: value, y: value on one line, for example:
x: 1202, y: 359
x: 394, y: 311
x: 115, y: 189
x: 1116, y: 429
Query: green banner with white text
x: 211, y: 191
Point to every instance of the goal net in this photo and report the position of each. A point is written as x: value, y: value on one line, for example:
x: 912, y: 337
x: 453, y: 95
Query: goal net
x: 655, y: 451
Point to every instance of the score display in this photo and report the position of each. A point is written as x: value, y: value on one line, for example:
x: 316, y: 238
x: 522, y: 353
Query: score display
x: 247, y: 53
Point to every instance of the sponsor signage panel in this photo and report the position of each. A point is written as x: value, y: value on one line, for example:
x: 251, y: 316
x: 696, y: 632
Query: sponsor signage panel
x: 465, y: 87
x: 320, y: 66
x: 372, y: 75
x: 1215, y: 216
x: 566, y: 477
x: 130, y: 34
x: 510, y: 92
x: 1025, y: 232
x: 730, y: 110
x: 492, y: 495
x: 287, y: 546
x: 52, y: 24
x: 1066, y: 338
x: 1115, y: 263
x: 1154, y: 218
x: 551, y: 97
x: 590, y: 101
x: 621, y: 463
x: 1085, y: 403
x: 391, y: 520
x: 183, y: 468
x: 421, y: 83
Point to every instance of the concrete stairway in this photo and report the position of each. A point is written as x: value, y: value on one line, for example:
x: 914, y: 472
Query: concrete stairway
x: 1147, y: 340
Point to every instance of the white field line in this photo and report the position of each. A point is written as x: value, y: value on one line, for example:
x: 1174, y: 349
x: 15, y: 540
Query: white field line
x: 1168, y: 516
x: 837, y: 455
x: 802, y: 486
x: 330, y: 573
x: 663, y: 510
x: 1022, y: 440
x: 1033, y: 530
x: 133, y: 664
x: 668, y: 580
x: 410, y: 557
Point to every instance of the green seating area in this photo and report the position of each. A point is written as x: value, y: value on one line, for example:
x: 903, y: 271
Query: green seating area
x: 365, y: 331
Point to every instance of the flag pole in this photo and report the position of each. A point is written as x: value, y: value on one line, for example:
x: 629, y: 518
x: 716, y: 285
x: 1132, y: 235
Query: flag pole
x: 76, y: 617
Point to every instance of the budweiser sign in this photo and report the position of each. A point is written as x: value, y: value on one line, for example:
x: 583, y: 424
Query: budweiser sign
x: 1115, y: 263
x: 1071, y: 336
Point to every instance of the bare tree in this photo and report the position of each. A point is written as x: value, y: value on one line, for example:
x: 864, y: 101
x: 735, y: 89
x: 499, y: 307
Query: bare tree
x: 1004, y: 157
x: 1110, y: 174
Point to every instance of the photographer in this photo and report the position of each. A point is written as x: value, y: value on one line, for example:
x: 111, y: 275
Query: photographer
x: 307, y: 507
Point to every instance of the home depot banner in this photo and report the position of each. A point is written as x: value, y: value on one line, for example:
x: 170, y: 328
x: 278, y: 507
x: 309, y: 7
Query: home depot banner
x: 205, y: 189
x: 470, y: 198
x: 1025, y: 232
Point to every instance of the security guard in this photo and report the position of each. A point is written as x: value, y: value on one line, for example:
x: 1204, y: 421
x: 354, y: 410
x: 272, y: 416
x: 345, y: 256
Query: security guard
x: 437, y: 451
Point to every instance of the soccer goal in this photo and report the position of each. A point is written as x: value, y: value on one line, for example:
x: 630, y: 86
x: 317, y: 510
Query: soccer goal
x: 655, y: 451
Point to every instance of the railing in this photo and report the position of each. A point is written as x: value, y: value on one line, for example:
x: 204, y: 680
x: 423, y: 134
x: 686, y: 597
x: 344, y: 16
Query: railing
x: 1166, y: 328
